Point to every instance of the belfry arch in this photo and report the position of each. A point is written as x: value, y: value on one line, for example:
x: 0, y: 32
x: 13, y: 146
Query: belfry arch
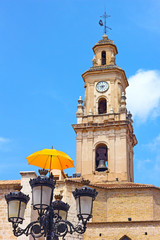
x: 101, y: 157
x: 102, y: 106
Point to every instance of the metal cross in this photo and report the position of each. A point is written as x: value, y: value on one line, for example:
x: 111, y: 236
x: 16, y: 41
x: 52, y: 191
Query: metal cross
x: 105, y: 16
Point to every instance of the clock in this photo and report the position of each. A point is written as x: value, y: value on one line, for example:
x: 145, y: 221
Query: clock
x: 102, y: 86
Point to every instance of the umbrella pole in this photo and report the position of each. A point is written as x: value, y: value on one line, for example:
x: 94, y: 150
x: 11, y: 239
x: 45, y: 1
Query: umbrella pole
x: 50, y: 165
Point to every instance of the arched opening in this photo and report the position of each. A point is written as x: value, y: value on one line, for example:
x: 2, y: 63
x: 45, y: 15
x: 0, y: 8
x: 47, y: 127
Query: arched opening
x: 103, y: 55
x: 101, y: 158
x: 125, y: 238
x: 102, y: 106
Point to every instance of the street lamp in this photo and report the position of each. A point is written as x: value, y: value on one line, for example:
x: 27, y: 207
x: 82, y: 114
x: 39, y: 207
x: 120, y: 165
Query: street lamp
x: 84, y: 202
x: 52, y: 220
x: 60, y: 207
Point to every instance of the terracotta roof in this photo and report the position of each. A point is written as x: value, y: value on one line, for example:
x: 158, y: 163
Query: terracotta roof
x: 104, y: 41
x: 103, y: 67
x: 124, y: 185
x: 119, y: 185
x: 10, y: 182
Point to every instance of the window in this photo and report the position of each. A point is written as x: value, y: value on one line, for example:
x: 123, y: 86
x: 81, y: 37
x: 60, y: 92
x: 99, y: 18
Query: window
x: 102, y: 106
x: 103, y: 58
x: 101, y: 157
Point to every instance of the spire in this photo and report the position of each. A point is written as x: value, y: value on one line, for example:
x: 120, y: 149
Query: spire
x: 103, y: 23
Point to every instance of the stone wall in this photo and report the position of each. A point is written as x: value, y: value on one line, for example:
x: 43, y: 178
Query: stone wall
x: 149, y: 230
x: 5, y: 227
x: 117, y: 205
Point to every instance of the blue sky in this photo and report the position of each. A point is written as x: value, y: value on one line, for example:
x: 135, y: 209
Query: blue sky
x: 45, y: 46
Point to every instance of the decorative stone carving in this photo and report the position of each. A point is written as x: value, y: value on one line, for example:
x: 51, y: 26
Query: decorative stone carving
x: 123, y: 103
x: 94, y: 61
x: 111, y: 110
x: 90, y: 112
x: 79, y: 112
x: 112, y: 61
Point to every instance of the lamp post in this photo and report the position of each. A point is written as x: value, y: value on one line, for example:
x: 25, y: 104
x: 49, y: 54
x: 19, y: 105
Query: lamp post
x: 52, y: 220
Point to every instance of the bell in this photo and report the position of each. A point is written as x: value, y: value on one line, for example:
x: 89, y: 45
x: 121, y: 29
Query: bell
x: 101, y: 166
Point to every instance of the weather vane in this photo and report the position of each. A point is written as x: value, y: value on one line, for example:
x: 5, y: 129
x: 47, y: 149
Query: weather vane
x: 103, y: 23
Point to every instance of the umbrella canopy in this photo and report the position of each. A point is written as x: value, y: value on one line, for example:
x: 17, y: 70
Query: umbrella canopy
x: 50, y: 159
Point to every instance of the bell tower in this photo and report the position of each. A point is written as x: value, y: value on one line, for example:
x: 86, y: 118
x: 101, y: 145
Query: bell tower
x: 105, y: 137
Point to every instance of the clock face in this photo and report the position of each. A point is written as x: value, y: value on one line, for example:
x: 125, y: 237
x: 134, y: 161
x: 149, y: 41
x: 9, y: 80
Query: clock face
x: 102, y: 86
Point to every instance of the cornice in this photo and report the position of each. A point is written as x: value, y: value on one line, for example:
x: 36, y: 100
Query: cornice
x: 105, y: 69
x: 88, y: 126
x: 149, y: 222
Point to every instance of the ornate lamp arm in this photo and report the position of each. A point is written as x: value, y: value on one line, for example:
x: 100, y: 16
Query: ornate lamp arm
x: 79, y: 228
x: 63, y: 227
x: 35, y: 229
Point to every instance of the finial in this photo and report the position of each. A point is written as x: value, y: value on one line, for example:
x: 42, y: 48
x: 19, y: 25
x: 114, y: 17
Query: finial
x: 123, y: 97
x: 58, y: 197
x: 103, y: 23
x: 90, y: 112
x: 129, y: 115
x: 111, y: 110
x: 80, y: 101
x: 43, y: 172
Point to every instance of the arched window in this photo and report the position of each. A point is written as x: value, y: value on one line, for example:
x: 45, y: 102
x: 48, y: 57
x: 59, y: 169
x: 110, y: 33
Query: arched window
x: 101, y: 158
x: 103, y: 55
x: 102, y: 106
x: 125, y: 238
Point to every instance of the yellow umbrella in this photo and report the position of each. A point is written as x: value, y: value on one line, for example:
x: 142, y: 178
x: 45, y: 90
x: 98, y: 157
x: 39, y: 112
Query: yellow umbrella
x: 50, y: 159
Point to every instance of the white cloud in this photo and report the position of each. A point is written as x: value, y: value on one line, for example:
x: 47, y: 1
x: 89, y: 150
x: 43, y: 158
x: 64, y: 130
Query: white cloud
x: 155, y: 144
x: 143, y: 94
x: 150, y: 165
x: 143, y: 164
x: 5, y: 144
x: 4, y: 140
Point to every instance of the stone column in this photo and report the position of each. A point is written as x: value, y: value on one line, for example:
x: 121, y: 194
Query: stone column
x: 79, y: 153
x: 111, y: 153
